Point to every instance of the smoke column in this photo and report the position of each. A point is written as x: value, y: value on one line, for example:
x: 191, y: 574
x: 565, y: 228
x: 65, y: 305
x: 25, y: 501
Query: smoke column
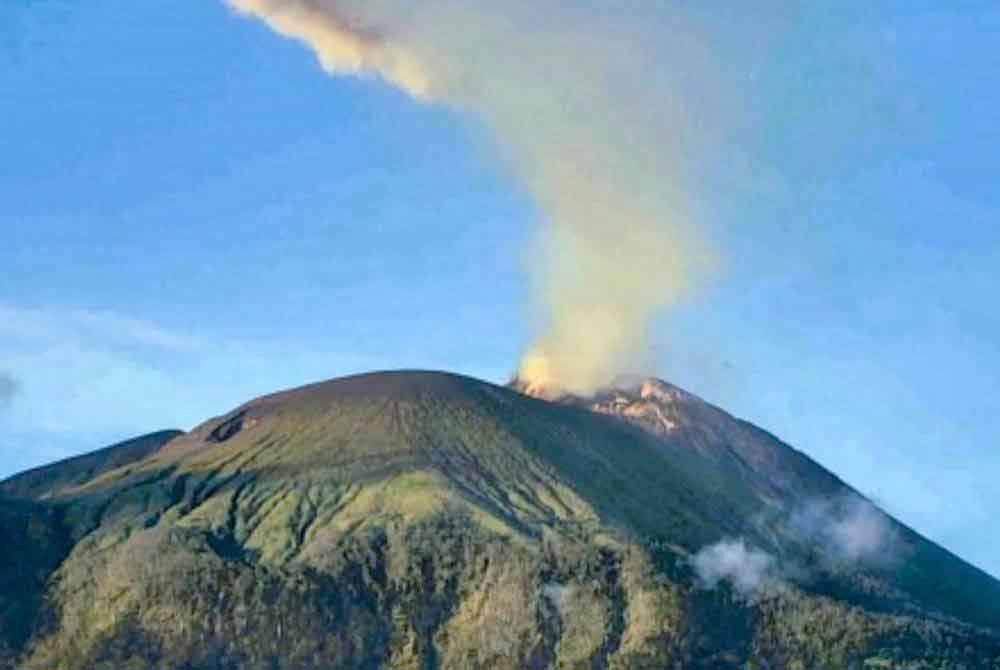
x: 585, y: 106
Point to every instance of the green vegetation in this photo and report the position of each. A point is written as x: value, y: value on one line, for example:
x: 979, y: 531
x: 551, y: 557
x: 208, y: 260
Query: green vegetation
x: 420, y: 521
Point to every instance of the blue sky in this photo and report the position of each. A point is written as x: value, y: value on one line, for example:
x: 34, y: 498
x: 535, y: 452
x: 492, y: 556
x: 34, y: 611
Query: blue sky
x: 192, y: 213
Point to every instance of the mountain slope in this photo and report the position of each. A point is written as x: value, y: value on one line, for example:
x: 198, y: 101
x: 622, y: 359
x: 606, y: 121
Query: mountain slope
x: 790, y: 483
x: 426, y: 520
x: 38, y: 536
x: 53, y: 479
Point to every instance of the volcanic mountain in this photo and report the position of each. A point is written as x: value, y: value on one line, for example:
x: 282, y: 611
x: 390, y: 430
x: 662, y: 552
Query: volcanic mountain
x: 428, y: 520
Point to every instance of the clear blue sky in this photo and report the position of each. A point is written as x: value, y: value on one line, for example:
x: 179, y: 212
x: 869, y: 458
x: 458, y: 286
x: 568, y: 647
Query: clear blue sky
x: 192, y: 213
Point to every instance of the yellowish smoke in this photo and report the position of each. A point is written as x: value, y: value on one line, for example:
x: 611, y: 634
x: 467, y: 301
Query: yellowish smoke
x: 583, y: 107
x: 341, y: 47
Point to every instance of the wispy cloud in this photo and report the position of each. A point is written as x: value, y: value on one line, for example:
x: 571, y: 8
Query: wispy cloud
x: 850, y: 529
x: 112, y: 328
x: 85, y: 378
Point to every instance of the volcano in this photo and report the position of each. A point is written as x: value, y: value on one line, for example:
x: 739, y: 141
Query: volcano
x: 429, y: 520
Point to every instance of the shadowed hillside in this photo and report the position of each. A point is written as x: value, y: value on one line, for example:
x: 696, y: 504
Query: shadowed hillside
x: 427, y: 520
x: 52, y: 480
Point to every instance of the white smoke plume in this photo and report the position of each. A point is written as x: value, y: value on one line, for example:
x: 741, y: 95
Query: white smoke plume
x: 748, y: 570
x: 849, y: 528
x: 588, y: 106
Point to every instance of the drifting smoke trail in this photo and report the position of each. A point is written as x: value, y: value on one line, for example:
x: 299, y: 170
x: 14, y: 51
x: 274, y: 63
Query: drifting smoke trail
x: 582, y: 106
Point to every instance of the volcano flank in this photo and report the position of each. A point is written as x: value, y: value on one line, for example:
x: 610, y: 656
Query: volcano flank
x: 430, y: 520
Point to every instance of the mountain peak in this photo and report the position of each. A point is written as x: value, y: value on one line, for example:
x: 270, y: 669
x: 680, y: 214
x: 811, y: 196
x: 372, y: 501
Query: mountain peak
x: 427, y: 518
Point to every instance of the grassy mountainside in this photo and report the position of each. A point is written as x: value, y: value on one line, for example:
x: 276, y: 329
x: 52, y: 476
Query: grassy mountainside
x: 425, y: 520
x: 52, y: 480
x: 37, y: 538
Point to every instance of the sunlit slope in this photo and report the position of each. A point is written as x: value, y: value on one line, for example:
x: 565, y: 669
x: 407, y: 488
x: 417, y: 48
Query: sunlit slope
x: 376, y: 447
x: 427, y: 520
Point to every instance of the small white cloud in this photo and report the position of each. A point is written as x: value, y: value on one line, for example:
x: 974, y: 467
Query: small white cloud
x: 861, y: 533
x: 748, y: 570
x: 9, y: 389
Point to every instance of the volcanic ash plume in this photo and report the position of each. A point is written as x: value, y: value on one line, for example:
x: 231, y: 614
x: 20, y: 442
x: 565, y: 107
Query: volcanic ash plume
x: 583, y: 106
